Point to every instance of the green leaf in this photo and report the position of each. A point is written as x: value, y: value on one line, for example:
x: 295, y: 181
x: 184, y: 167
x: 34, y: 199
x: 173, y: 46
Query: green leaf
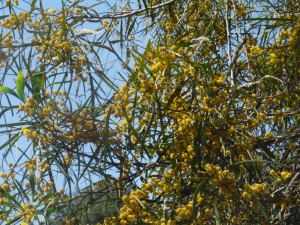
x: 105, y: 79
x: 217, y: 216
x: 52, y: 210
x: 3, y: 17
x: 9, y: 197
x: 63, y: 18
x: 106, y: 136
x: 20, y: 83
x: 253, y: 161
x: 10, y: 140
x: 32, y: 7
x: 9, y: 108
x: 32, y: 184
x: 263, y: 209
x: 198, y: 189
x: 10, y: 125
x: 129, y: 27
x: 11, y: 144
x: 43, y: 13
x: 9, y: 91
x: 37, y: 84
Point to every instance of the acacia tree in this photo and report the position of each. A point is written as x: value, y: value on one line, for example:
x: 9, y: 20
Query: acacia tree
x: 203, y: 129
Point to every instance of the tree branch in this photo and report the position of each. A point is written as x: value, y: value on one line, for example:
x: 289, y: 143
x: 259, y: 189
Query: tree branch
x: 120, y: 15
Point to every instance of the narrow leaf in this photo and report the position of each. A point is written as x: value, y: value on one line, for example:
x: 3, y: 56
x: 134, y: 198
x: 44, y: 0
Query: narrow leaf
x: 10, y: 140
x: 9, y: 125
x: 9, y: 91
x: 198, y: 189
x: 32, y: 184
x: 106, y: 135
x: 20, y: 83
x: 9, y: 197
x: 37, y: 82
x: 3, y: 17
x: 253, y: 161
x: 263, y: 209
x: 43, y: 13
x: 32, y: 7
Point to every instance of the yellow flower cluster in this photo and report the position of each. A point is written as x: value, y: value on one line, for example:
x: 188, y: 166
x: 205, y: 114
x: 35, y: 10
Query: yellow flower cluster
x: 29, y: 107
x: 28, y: 212
x: 68, y: 159
x: 6, y: 186
x: 133, y: 205
x: 105, y: 23
x: 256, y: 50
x: 3, y: 58
x: 29, y: 133
x: 281, y: 176
x: 9, y: 3
x: 223, y: 179
x: 273, y: 59
x: 286, y: 175
x: 123, y: 96
x: 186, y: 211
x: 212, y: 169
x: 7, y: 41
x: 15, y: 20
x: 255, y: 190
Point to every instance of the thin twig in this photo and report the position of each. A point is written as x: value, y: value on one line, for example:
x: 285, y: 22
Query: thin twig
x: 232, y: 78
x: 120, y: 15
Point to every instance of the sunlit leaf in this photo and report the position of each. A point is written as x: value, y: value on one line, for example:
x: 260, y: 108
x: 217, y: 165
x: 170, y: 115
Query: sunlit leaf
x: 9, y: 91
x: 32, y: 7
x: 20, y: 84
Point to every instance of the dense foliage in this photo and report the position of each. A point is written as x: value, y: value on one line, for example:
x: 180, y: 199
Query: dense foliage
x: 151, y: 112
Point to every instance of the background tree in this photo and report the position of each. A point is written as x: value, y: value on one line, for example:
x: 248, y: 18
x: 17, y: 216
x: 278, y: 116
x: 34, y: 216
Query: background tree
x: 203, y: 129
x: 92, y: 204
